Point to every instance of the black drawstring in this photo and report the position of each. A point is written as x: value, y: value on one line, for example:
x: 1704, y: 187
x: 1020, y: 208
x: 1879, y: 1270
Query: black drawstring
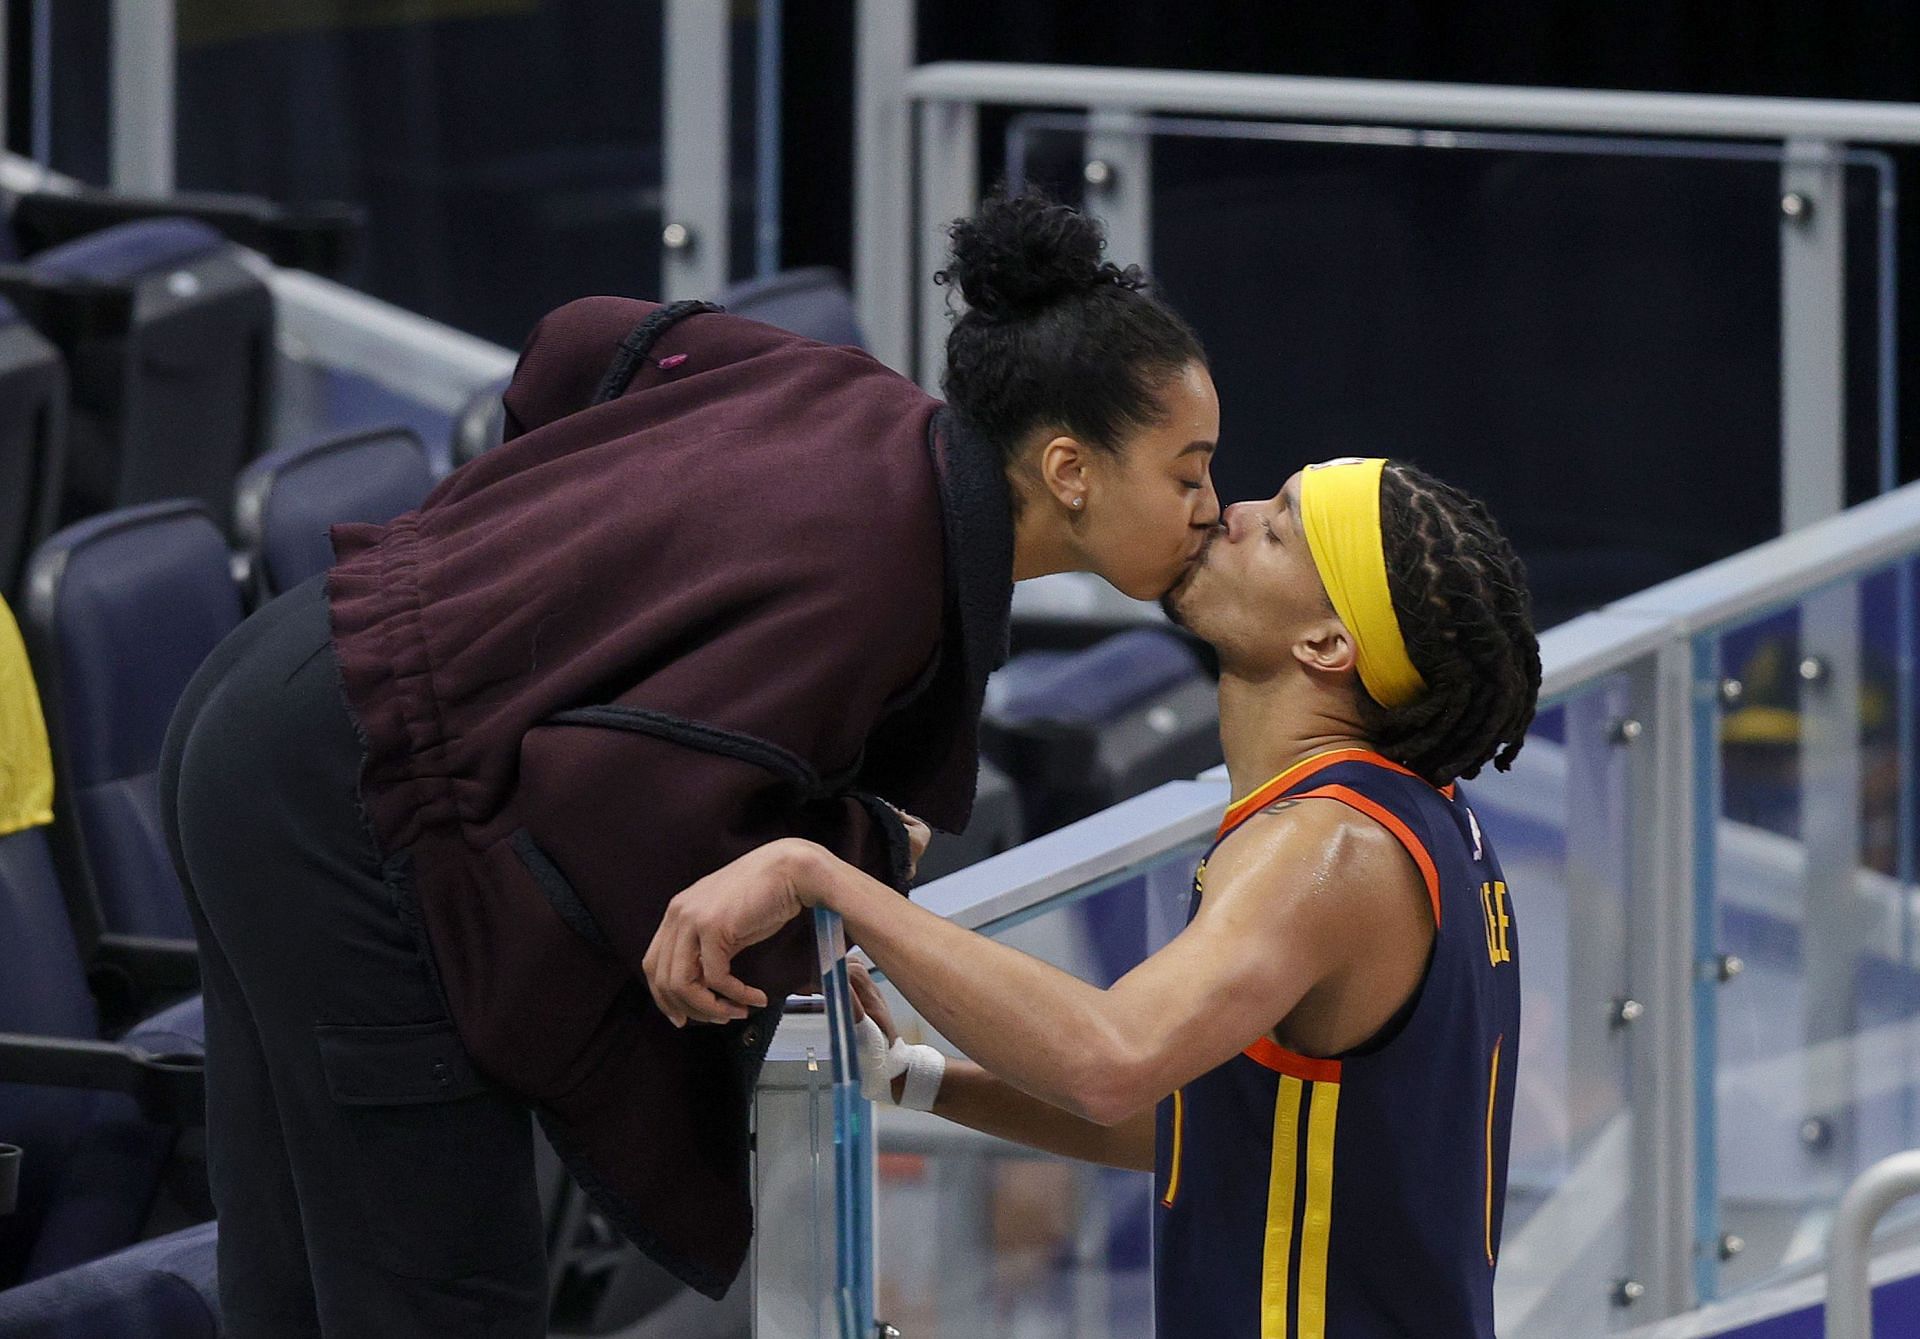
x: 636, y: 345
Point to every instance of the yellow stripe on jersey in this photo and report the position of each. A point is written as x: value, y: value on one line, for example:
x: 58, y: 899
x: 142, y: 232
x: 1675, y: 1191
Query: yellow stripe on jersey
x: 1317, y: 1223
x: 1173, y: 1172
x: 1277, y: 1261
x: 1493, y: 1089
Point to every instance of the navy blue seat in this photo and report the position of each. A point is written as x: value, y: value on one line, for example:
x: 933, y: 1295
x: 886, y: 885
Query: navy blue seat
x: 285, y: 501
x: 813, y: 302
x: 33, y: 435
x: 996, y: 826
x: 166, y: 1288
x: 171, y: 359
x: 1084, y: 730
x: 94, y: 1161
x: 121, y: 610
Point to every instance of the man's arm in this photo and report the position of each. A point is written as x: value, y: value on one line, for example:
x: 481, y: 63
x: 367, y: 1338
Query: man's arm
x: 1283, y: 895
x: 972, y: 1097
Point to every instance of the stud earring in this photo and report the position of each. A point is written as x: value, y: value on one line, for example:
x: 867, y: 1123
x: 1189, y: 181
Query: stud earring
x: 1077, y: 502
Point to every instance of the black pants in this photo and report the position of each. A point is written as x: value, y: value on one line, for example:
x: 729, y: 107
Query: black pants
x: 368, y: 1184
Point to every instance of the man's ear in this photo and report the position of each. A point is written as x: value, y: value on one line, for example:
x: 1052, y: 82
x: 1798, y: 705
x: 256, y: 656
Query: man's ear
x: 1327, y: 647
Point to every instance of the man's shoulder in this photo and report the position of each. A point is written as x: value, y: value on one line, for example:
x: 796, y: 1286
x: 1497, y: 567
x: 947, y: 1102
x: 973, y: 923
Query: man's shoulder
x: 1312, y: 843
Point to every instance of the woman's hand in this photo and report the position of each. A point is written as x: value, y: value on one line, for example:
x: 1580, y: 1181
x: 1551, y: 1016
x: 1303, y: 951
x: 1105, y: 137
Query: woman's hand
x: 919, y: 837
x: 689, y: 964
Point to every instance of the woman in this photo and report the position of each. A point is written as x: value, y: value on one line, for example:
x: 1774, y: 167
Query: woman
x: 721, y: 585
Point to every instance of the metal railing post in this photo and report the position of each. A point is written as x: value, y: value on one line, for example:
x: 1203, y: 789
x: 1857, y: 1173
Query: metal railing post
x: 1119, y: 177
x: 1838, y: 923
x: 141, y: 147
x: 697, y: 171
x: 883, y: 252
x: 949, y: 151
x: 1813, y: 332
x: 1661, y: 1208
x: 1850, y: 1251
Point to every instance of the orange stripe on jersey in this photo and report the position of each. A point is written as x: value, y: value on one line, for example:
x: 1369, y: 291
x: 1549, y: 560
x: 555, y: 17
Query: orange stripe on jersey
x: 1241, y: 810
x: 1391, y: 822
x: 1280, y: 1060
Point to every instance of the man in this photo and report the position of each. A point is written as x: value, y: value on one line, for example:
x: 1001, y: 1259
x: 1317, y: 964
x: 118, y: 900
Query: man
x: 1319, y: 1068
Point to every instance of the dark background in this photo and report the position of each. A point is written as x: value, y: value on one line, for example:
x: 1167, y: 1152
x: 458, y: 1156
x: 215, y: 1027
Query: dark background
x: 1590, y: 344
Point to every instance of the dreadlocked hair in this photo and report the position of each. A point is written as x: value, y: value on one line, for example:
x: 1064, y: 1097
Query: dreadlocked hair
x: 1460, y: 593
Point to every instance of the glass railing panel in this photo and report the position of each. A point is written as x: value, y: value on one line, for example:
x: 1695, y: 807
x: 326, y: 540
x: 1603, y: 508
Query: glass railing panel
x: 979, y: 1236
x: 1817, y: 1018
x: 1582, y: 331
x: 1562, y: 824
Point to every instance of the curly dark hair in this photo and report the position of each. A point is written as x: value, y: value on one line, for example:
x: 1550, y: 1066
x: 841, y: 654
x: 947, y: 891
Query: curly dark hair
x: 1053, y: 334
x: 1460, y: 593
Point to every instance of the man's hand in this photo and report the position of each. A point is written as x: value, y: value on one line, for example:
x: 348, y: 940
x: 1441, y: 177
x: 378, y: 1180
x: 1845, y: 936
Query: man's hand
x: 689, y: 964
x: 868, y: 1002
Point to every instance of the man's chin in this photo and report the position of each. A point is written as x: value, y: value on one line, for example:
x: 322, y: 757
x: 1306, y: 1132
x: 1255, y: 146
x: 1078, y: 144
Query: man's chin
x: 1177, y: 604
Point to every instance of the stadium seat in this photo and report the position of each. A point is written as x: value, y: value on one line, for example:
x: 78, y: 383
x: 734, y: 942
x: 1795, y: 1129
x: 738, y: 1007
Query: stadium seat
x: 320, y: 237
x: 1084, y: 730
x: 480, y: 425
x: 285, y: 501
x: 813, y: 302
x: 94, y: 1157
x: 121, y: 610
x: 33, y: 434
x: 996, y: 826
x: 165, y: 1288
x: 168, y: 338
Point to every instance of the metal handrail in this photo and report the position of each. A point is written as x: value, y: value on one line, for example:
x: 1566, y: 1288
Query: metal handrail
x: 1414, y: 103
x: 1574, y: 655
x: 1850, y: 1252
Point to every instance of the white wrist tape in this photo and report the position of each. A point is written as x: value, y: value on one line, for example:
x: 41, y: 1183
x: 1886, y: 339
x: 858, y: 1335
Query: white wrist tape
x: 881, y: 1064
x: 926, y: 1067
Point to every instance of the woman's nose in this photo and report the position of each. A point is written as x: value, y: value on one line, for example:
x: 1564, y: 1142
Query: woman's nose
x: 1209, y: 508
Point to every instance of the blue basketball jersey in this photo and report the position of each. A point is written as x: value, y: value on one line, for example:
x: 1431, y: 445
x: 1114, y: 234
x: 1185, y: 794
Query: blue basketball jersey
x: 1359, y: 1196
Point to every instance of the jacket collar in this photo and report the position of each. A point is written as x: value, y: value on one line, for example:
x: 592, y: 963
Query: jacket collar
x: 977, y: 507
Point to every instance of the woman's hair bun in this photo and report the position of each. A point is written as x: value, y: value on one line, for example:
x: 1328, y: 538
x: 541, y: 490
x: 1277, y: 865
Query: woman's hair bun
x: 1022, y: 253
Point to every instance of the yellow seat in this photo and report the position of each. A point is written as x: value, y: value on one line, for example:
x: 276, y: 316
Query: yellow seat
x: 26, y: 763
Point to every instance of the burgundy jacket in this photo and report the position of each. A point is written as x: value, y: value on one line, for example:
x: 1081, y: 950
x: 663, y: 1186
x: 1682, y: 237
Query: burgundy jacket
x: 759, y: 587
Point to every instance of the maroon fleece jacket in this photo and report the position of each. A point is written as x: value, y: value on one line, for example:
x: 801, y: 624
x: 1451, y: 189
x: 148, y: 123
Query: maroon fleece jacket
x: 742, y: 599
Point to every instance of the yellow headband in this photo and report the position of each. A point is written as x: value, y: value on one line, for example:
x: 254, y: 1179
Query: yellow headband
x: 1340, y: 510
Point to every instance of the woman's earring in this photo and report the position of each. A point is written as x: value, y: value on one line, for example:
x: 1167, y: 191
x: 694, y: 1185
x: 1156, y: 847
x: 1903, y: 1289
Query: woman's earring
x: 1077, y: 501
